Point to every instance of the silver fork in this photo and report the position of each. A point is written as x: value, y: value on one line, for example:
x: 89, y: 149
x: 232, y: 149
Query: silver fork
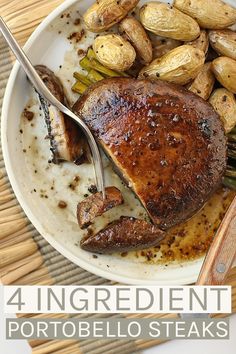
x: 42, y: 89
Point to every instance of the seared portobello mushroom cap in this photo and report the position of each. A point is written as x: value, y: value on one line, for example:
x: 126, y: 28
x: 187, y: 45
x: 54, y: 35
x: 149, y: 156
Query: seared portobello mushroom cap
x: 165, y: 142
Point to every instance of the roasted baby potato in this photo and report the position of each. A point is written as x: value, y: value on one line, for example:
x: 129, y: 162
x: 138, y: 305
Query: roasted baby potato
x: 106, y: 13
x: 225, y: 72
x: 169, y: 22
x: 136, y: 34
x: 203, y: 83
x: 202, y: 42
x: 224, y: 42
x: 224, y: 103
x: 114, y: 52
x: 161, y: 46
x: 212, y: 14
x: 180, y: 65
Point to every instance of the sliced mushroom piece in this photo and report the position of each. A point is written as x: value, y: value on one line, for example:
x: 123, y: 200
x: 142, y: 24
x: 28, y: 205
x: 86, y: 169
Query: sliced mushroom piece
x: 125, y: 234
x: 66, y: 139
x: 136, y: 34
x: 95, y: 205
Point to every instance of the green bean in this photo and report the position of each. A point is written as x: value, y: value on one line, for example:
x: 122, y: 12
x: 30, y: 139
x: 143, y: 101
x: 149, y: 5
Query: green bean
x: 79, y: 87
x: 229, y: 182
x: 85, y: 63
x: 230, y: 172
x: 231, y: 153
x: 84, y: 79
x: 232, y: 137
x: 94, y: 76
x: 91, y: 54
x: 93, y: 63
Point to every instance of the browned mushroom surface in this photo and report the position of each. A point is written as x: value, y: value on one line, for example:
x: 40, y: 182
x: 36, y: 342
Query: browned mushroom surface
x: 123, y: 235
x: 66, y: 139
x: 166, y: 143
x: 95, y: 205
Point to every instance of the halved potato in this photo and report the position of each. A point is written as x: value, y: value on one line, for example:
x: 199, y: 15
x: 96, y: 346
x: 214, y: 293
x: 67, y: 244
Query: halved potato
x: 114, y: 52
x: 212, y: 14
x: 224, y: 103
x: 106, y: 13
x: 224, y: 69
x: 180, y: 65
x: 166, y: 21
x: 203, y: 84
x: 224, y: 42
x: 136, y: 34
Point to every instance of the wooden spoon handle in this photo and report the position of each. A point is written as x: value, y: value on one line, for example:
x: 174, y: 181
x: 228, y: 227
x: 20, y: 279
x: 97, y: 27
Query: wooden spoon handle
x: 222, y: 251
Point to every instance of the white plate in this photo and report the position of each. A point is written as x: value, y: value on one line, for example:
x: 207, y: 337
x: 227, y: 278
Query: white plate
x: 59, y: 228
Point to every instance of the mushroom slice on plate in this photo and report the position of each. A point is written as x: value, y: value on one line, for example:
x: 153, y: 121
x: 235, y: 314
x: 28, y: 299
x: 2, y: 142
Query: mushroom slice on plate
x: 125, y: 234
x: 95, y: 205
x: 66, y: 139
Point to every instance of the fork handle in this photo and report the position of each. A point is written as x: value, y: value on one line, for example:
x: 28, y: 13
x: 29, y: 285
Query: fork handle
x: 222, y: 252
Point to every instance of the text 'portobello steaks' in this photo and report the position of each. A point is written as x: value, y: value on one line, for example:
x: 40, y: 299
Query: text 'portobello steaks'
x: 167, y: 143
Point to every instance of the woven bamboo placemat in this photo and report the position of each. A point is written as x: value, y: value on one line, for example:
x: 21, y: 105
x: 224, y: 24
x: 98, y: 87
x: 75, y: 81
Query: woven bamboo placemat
x: 25, y: 257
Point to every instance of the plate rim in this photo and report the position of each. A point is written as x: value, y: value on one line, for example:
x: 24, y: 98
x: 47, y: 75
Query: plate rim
x: 191, y: 278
